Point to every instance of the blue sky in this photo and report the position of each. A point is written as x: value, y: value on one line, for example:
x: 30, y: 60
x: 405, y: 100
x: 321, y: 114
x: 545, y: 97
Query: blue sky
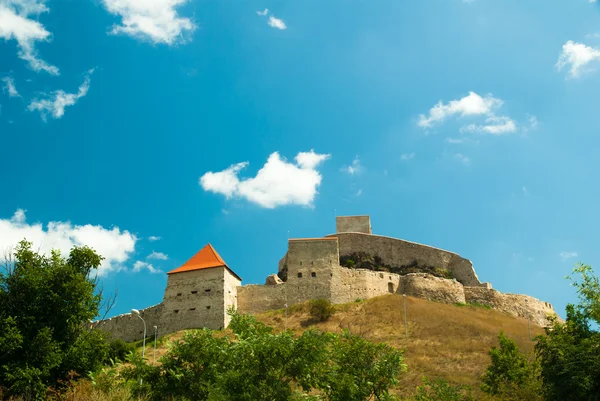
x: 147, y: 129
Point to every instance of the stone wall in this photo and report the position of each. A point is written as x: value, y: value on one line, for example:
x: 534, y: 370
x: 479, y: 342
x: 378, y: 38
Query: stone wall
x: 129, y: 327
x: 353, y: 224
x: 513, y: 304
x: 230, y: 294
x: 195, y: 299
x: 256, y: 298
x: 349, y: 284
x: 433, y: 288
x: 396, y: 252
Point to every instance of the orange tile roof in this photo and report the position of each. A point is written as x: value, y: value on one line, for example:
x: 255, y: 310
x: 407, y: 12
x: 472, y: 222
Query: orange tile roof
x: 206, y: 258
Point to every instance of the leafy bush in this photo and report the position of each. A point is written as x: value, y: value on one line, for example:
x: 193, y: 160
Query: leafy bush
x: 321, y: 309
x: 364, y: 260
x: 257, y: 364
x: 119, y: 349
x: 510, y: 375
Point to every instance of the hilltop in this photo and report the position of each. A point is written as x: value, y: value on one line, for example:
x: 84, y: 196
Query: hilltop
x: 444, y: 341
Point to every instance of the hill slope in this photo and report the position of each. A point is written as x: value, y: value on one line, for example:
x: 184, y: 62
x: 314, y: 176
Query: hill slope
x: 444, y: 341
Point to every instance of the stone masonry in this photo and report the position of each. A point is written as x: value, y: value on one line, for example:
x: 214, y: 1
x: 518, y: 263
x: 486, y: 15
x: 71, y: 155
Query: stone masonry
x: 199, y: 293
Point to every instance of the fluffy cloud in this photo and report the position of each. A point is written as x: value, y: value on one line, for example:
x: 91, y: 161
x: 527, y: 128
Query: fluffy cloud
x: 154, y: 238
x: 564, y: 256
x: 154, y: 20
x: 55, y: 103
x: 276, y: 23
x: 354, y: 168
x: 263, y: 13
x: 9, y: 87
x: 470, y: 105
x: 157, y: 256
x: 407, y: 156
x: 15, y: 23
x: 138, y: 266
x: 577, y: 56
x: 493, y: 125
x: 277, y: 183
x: 114, y: 245
x: 475, y: 106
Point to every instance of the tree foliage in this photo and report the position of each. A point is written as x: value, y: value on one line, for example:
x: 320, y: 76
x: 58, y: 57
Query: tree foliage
x: 569, y: 353
x: 46, y: 304
x: 258, y: 364
x: 321, y: 309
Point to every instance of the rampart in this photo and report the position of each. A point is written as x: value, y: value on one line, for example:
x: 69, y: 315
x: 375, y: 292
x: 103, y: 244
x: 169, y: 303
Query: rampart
x: 311, y: 269
x: 397, y: 252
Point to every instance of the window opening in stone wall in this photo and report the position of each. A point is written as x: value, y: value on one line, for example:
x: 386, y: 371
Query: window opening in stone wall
x: 194, y: 292
x: 300, y: 263
x: 391, y: 287
x: 390, y: 277
x: 299, y: 275
x: 208, y: 307
x: 207, y: 290
x: 380, y: 275
x: 178, y: 294
x: 313, y: 274
x: 192, y: 308
x: 176, y: 311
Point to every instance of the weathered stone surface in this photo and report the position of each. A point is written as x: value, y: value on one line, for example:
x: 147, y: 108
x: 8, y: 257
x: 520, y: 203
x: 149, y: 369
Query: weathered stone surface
x: 201, y: 298
x: 273, y: 279
x: 514, y: 304
x: 422, y: 285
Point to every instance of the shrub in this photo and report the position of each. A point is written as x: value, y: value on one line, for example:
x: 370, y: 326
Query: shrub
x: 119, y: 349
x: 321, y: 309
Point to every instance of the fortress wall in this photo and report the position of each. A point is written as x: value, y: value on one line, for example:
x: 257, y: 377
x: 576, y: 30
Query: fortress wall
x: 257, y: 298
x: 433, y: 288
x: 349, y: 284
x: 396, y: 252
x: 353, y: 224
x: 514, y: 304
x: 129, y: 327
x: 195, y: 299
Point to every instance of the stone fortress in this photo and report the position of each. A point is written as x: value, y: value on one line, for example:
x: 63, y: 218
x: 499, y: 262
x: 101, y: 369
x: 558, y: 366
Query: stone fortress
x: 200, y: 292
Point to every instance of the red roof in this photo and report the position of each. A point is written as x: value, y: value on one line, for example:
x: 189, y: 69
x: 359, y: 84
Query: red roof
x: 205, y: 259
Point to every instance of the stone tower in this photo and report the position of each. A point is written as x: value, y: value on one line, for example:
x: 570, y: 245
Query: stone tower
x: 200, y: 292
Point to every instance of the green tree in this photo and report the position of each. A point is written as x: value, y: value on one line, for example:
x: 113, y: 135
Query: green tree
x: 569, y: 353
x: 510, y: 372
x: 257, y: 364
x: 46, y: 304
x: 441, y: 390
x: 321, y: 309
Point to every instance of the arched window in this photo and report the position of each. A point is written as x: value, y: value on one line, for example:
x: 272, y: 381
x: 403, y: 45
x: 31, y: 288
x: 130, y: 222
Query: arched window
x: 391, y: 287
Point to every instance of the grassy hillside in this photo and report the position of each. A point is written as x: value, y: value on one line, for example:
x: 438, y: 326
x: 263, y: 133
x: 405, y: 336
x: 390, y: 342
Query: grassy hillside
x: 444, y: 341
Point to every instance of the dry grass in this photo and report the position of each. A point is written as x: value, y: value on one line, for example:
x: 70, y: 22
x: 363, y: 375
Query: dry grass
x: 444, y: 341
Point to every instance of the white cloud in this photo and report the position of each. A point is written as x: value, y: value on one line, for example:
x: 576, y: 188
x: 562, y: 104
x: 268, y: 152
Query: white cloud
x: 462, y: 159
x: 276, y: 23
x: 578, y: 56
x: 138, y: 266
x: 456, y: 140
x: 277, y: 183
x: 564, y: 256
x: 15, y: 23
x: 407, y: 156
x: 154, y: 238
x: 9, y: 87
x: 157, y: 256
x: 114, y: 245
x: 55, y: 103
x: 470, y: 105
x: 264, y: 12
x: 354, y: 168
x: 493, y: 125
x: 154, y: 20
